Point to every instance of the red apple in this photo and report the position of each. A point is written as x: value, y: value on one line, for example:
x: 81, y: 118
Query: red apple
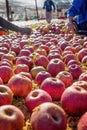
x: 27, y: 74
x: 55, y: 66
x: 8, y: 56
x: 15, y: 48
x: 36, y: 97
x: 65, y: 77
x: 23, y: 42
x: 73, y: 61
x: 82, y: 53
x: 25, y: 60
x: 48, y: 116
x: 6, y: 73
x: 53, y: 55
x: 35, y: 70
x: 83, y: 76
x: 68, y: 57
x: 82, y: 123
x: 11, y: 118
x: 1, y: 81
x: 4, y: 50
x: 20, y: 85
x: 75, y: 70
x: 6, y: 95
x: 41, y: 61
x: 73, y: 100
x: 41, y: 76
x: 21, y: 68
x: 24, y: 52
x: 80, y: 83
x: 54, y: 87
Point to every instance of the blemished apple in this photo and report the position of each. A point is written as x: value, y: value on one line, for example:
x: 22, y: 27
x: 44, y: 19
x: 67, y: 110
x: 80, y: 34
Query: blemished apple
x: 55, y: 66
x: 55, y: 87
x: 20, y: 85
x: 36, y: 97
x: 41, y: 76
x: 11, y: 118
x: 77, y: 106
x: 65, y: 77
x: 82, y: 123
x: 6, y: 95
x: 48, y: 116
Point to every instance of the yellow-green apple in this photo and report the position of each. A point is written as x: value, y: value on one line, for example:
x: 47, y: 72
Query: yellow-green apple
x: 6, y: 95
x: 55, y: 66
x: 20, y: 85
x: 36, y: 69
x: 73, y: 100
x: 48, y: 116
x: 36, y: 97
x: 55, y: 87
x: 11, y: 118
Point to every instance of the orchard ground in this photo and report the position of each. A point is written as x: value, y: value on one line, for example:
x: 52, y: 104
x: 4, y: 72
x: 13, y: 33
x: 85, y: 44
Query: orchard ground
x: 30, y: 22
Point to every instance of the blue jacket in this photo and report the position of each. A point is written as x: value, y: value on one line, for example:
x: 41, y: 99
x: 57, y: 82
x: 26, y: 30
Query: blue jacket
x: 78, y: 9
x: 48, y: 5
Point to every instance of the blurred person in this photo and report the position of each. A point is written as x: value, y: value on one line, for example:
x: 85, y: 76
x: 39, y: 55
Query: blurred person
x: 6, y: 25
x: 49, y: 6
x: 77, y: 16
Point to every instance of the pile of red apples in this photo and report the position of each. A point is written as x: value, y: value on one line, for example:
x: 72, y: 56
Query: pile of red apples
x: 45, y: 73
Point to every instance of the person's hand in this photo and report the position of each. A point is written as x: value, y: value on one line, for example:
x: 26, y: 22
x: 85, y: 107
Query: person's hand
x: 26, y: 31
x: 70, y: 28
x: 53, y: 11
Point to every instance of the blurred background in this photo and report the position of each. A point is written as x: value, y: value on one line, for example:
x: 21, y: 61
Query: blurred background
x: 23, y: 10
